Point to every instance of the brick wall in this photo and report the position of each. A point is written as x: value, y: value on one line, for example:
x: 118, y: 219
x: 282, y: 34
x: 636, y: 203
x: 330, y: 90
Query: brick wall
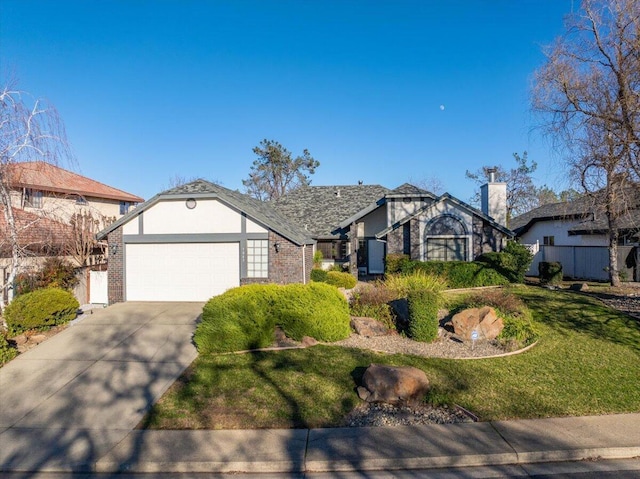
x: 395, y: 241
x: 286, y: 265
x: 485, y: 238
x: 115, y: 267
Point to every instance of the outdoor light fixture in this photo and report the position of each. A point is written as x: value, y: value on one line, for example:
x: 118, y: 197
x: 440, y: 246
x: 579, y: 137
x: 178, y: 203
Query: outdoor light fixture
x: 113, y: 249
x: 276, y: 245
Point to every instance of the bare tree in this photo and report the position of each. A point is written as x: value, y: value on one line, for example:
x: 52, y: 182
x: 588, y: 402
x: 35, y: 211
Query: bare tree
x: 432, y: 184
x: 588, y: 94
x: 275, y: 172
x: 30, y: 130
x: 82, y: 243
x: 522, y: 194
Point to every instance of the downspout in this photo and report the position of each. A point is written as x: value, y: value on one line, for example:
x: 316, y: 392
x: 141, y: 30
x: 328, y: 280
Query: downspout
x: 304, y: 264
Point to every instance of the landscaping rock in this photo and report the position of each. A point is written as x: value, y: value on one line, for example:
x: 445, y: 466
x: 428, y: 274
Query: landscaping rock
x: 368, y: 327
x: 397, y: 385
x: 308, y: 341
x: 483, y: 320
x: 579, y: 287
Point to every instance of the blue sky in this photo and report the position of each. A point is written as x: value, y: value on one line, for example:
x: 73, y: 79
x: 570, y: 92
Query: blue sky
x: 149, y: 90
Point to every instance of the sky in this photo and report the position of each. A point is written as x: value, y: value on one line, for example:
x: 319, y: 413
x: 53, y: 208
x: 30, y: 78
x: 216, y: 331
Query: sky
x: 382, y: 92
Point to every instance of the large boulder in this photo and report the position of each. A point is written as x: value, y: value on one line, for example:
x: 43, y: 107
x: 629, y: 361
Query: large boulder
x: 368, y: 327
x: 397, y: 385
x: 484, y: 321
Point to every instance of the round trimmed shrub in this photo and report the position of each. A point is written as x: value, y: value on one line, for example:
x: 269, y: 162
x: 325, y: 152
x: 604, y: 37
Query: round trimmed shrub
x: 318, y: 275
x: 341, y: 280
x: 42, y: 308
x: 237, y: 320
x: 317, y: 310
x: 550, y: 272
x: 423, y: 314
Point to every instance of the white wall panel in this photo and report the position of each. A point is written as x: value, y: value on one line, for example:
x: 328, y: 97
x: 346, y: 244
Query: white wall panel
x: 173, y: 217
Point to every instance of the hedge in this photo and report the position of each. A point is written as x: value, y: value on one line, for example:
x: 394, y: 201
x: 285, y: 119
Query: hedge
x: 40, y: 309
x: 461, y: 274
x: 423, y: 315
x: 341, y: 280
x: 245, y: 317
x: 319, y: 275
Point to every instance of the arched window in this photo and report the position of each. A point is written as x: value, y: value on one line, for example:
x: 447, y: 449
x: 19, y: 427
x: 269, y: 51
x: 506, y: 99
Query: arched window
x: 446, y: 239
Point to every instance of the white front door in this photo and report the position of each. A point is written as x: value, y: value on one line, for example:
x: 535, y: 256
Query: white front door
x: 375, y: 262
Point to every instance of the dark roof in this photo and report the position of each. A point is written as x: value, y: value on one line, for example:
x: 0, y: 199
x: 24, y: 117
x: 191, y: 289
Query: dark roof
x: 322, y: 208
x: 453, y: 199
x: 408, y: 189
x: 630, y: 221
x: 255, y: 209
x: 580, y: 208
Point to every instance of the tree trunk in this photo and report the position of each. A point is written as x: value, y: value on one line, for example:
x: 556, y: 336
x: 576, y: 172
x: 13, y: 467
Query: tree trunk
x: 12, y: 234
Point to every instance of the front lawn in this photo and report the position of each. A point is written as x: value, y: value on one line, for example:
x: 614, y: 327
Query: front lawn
x: 586, y: 362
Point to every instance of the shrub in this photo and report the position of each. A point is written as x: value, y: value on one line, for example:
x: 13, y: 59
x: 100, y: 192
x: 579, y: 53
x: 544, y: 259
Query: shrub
x: 7, y: 353
x: 462, y: 274
x: 372, y: 301
x: 317, y: 259
x: 318, y: 275
x: 54, y: 273
x: 316, y: 309
x: 341, y: 280
x: 402, y: 284
x: 40, y: 309
x: 523, y: 258
x: 550, y: 272
x: 423, y: 314
x: 237, y: 320
x: 396, y: 263
x: 503, y: 263
x: 245, y: 317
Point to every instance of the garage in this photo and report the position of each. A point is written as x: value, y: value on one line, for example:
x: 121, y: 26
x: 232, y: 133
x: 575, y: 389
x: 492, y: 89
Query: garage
x: 180, y: 271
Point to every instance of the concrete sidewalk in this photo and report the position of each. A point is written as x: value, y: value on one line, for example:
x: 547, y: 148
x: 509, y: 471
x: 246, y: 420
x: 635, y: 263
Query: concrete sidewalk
x: 377, y: 448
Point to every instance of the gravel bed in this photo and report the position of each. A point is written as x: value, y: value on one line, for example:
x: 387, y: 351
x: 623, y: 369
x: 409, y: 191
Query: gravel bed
x: 379, y: 414
x: 445, y: 347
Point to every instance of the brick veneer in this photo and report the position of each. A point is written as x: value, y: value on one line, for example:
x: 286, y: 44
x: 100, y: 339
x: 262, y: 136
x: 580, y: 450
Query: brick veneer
x: 115, y: 272
x: 286, y: 265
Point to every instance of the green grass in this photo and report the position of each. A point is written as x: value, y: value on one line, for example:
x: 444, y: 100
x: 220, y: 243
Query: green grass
x: 586, y: 362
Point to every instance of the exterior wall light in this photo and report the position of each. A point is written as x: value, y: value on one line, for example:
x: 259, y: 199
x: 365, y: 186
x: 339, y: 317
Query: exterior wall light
x: 113, y: 249
x: 276, y: 246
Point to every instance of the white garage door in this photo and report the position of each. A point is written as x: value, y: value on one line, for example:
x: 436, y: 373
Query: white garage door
x: 181, y: 272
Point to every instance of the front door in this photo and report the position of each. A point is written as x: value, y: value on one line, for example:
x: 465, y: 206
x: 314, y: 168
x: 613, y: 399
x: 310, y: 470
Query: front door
x: 375, y: 262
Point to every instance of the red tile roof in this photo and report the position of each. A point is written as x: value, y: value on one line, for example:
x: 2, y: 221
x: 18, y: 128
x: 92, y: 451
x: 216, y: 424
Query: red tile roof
x: 35, y: 233
x: 46, y: 177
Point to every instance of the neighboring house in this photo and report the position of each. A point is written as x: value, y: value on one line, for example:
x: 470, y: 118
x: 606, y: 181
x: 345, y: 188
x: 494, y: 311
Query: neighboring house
x: 576, y: 234
x: 197, y: 240
x: 44, y: 198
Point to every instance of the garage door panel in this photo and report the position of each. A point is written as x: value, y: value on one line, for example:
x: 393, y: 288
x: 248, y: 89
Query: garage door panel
x: 180, y: 272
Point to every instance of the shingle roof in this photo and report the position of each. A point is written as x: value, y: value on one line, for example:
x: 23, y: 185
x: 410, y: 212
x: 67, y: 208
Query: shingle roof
x: 580, y: 208
x: 323, y: 208
x: 47, y: 177
x: 35, y: 233
x: 256, y: 209
x: 408, y: 189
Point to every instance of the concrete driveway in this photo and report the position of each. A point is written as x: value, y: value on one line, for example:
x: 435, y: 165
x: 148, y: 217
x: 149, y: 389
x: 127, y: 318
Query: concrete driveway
x: 72, y: 398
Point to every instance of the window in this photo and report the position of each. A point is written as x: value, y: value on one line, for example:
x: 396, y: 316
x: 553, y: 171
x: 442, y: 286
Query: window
x: 549, y: 240
x: 124, y: 207
x: 446, y: 249
x: 335, y: 250
x: 257, y: 258
x: 33, y: 198
x: 406, y: 238
x: 80, y: 200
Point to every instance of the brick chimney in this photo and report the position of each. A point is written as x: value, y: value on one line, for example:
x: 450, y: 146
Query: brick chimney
x: 493, y: 197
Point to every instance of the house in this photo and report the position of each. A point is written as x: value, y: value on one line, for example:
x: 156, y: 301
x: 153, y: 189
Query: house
x: 359, y: 225
x: 575, y: 233
x: 197, y: 240
x: 44, y: 198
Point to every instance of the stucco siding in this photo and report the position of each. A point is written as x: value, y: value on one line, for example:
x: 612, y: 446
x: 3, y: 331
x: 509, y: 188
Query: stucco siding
x: 375, y: 221
x: 559, y: 230
x: 173, y: 217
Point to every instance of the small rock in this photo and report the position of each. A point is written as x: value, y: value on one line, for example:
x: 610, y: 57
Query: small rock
x: 484, y: 321
x: 579, y: 287
x: 20, y: 340
x: 308, y: 341
x: 37, y: 338
x: 368, y: 327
